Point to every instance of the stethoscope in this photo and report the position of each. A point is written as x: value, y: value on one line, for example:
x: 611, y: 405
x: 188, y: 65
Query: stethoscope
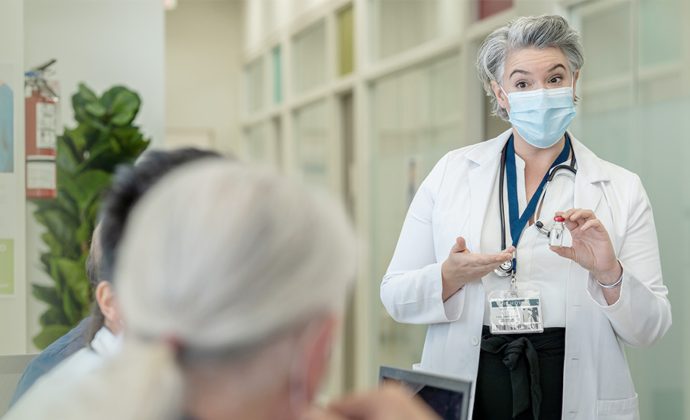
x: 506, y: 269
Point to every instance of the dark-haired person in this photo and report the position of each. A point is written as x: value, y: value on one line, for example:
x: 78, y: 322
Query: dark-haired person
x: 100, y: 329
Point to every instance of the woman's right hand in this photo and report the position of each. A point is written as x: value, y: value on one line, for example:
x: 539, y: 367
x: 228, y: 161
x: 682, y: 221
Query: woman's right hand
x: 462, y: 266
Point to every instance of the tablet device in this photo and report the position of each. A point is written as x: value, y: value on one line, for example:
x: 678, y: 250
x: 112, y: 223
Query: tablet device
x: 448, y: 397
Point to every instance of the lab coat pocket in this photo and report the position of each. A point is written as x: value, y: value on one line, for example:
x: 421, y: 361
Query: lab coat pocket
x: 624, y: 409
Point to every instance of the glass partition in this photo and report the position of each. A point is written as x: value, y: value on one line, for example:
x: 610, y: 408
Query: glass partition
x: 314, y: 144
x: 309, y: 58
x: 634, y: 112
x: 416, y: 119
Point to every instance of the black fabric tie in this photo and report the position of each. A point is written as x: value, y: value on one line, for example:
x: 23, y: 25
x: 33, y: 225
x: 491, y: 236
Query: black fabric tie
x: 524, y: 371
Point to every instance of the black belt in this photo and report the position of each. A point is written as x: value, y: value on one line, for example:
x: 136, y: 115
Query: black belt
x: 524, y: 371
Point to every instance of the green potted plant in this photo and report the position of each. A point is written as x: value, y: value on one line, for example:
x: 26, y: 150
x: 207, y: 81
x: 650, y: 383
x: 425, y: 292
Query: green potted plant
x: 87, y: 156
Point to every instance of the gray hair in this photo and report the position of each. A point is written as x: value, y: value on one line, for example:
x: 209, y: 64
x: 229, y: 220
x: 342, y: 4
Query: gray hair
x: 233, y: 263
x: 222, y: 256
x: 525, y: 32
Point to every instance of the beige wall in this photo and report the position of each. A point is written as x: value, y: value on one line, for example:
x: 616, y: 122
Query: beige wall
x: 13, y: 308
x: 203, y: 66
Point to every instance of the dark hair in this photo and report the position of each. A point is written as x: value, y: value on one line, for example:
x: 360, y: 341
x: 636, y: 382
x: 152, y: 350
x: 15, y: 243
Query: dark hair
x: 128, y: 186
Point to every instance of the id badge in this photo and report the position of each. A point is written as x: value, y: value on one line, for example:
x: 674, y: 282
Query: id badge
x: 516, y: 312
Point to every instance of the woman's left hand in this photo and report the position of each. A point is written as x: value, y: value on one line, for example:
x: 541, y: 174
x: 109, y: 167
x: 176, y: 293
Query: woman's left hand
x: 592, y: 247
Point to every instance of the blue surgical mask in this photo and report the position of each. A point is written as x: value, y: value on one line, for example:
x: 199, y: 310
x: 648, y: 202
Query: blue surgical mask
x: 541, y: 116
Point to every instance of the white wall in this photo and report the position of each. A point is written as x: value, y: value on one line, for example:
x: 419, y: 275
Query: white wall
x: 102, y: 43
x: 203, y: 65
x: 13, y: 309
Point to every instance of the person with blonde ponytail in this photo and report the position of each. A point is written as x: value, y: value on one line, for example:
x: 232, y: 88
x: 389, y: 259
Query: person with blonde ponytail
x: 231, y: 282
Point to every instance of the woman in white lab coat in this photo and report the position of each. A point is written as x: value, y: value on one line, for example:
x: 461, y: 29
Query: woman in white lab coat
x: 482, y: 234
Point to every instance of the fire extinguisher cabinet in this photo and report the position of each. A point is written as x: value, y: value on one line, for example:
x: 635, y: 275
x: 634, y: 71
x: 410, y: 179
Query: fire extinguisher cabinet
x: 41, y: 113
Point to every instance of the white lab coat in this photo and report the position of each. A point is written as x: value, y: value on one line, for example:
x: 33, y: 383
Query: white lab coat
x: 452, y: 202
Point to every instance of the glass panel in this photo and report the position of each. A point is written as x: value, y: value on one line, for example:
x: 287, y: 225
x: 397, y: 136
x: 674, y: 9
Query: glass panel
x: 399, y: 25
x: 261, y: 144
x: 646, y: 133
x: 660, y: 32
x: 254, y: 75
x: 277, y: 137
x: 314, y: 144
x: 255, y: 143
x: 309, y: 60
x: 416, y: 120
x: 277, y: 76
x: 660, y: 50
x: 346, y: 47
x: 493, y: 124
x: 606, y: 82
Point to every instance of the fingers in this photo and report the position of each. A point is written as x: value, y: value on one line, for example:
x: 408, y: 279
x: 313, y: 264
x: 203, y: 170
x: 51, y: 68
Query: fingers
x: 577, y: 215
x: 460, y: 243
x: 482, y: 264
x: 564, y: 252
x: 593, y: 224
x: 575, y: 218
x: 491, y: 260
x: 459, y: 246
x: 582, y: 219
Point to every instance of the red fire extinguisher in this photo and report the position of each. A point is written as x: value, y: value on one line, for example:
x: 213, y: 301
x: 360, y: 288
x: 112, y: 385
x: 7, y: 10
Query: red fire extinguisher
x: 41, y: 111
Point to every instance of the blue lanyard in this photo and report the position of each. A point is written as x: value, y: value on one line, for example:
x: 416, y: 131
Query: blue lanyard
x: 517, y: 221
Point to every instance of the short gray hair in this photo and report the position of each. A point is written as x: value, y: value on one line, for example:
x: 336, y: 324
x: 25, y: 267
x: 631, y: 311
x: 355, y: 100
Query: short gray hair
x: 525, y: 32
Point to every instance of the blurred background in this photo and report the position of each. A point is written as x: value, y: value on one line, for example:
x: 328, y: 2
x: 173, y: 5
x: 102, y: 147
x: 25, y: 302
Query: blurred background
x: 360, y: 98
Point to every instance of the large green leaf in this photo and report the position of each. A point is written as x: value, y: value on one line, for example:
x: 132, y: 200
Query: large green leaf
x: 93, y: 183
x: 45, y: 261
x: 86, y: 93
x: 54, y: 245
x: 96, y: 109
x: 68, y: 151
x: 46, y: 294
x: 71, y: 306
x: 122, y: 104
x: 62, y: 227
x: 63, y: 204
x: 74, y: 276
x: 75, y: 143
x: 60, y: 286
x: 80, y: 99
x: 53, y: 316
x: 91, y: 212
x: 87, y: 156
x: 49, y: 334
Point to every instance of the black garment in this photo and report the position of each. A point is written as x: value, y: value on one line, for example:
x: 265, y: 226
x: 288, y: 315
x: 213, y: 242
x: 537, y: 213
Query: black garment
x: 520, y: 376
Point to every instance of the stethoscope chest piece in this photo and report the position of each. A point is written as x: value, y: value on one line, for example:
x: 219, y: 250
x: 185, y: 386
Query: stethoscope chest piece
x: 505, y: 269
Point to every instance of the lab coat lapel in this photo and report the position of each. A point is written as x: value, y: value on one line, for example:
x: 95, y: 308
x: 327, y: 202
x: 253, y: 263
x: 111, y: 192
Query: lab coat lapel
x: 590, y: 175
x: 588, y: 195
x: 485, y: 159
